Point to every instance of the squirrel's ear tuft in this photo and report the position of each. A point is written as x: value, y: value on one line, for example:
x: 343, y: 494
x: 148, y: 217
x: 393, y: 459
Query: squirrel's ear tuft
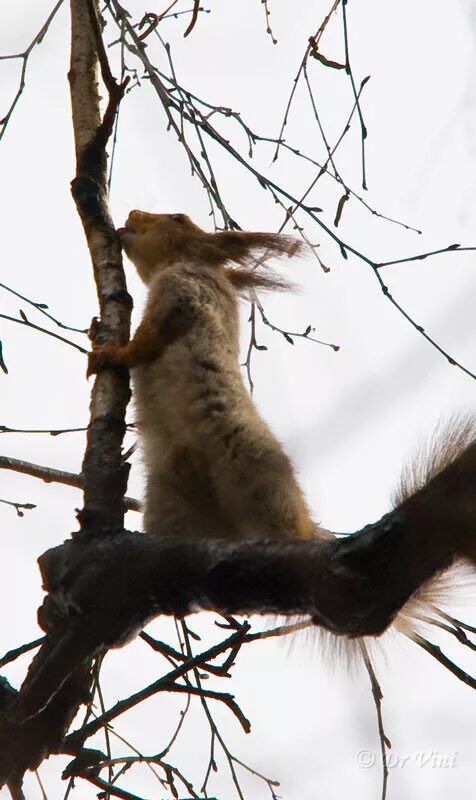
x: 245, y: 278
x: 246, y: 247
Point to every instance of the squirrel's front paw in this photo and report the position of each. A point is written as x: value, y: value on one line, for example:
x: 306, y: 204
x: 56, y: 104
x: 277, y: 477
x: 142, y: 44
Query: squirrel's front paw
x: 105, y: 355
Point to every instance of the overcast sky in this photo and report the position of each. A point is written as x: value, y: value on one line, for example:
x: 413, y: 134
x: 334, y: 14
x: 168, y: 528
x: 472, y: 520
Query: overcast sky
x: 349, y: 419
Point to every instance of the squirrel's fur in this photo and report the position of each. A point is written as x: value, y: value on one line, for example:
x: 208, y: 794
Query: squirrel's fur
x: 213, y: 467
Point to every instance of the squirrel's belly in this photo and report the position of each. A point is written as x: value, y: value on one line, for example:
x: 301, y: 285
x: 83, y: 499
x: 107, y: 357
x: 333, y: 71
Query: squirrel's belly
x: 187, y: 401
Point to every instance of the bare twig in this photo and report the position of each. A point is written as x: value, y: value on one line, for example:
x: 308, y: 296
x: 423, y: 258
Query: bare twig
x: 162, y: 684
x: 452, y: 361
x: 107, y: 740
x: 252, y: 345
x: 215, y: 733
x: 455, y: 631
x: 451, y: 248
x: 41, y: 307
x: 50, y: 431
x: 110, y: 788
x: 436, y: 653
x: 267, y: 14
x: 348, y: 70
x: 12, y: 655
x: 310, y: 50
x: 25, y: 321
x: 288, y: 335
x: 454, y: 621
x: 378, y: 696
x: 50, y: 475
x: 24, y: 56
x: 224, y: 697
x: 19, y: 506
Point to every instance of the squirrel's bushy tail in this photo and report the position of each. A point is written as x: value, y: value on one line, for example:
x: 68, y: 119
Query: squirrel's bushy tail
x: 428, y: 541
x: 445, y: 469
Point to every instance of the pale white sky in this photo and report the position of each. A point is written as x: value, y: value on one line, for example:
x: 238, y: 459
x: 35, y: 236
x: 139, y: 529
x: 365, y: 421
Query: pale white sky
x: 348, y: 419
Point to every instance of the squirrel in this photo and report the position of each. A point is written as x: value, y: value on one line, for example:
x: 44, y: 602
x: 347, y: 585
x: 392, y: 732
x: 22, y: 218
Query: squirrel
x: 213, y: 467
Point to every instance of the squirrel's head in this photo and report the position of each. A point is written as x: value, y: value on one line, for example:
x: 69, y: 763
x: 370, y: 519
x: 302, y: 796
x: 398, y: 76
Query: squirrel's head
x: 153, y: 241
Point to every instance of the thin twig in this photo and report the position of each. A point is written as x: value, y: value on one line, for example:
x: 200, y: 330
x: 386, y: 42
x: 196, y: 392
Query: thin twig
x: 107, y: 740
x: 457, y: 632
x: 28, y: 324
x: 267, y: 14
x: 436, y: 653
x: 109, y: 788
x: 50, y: 475
x: 12, y: 655
x: 215, y: 733
x: 50, y: 431
x: 451, y: 248
x: 457, y: 622
x: 24, y: 56
x: 252, y: 345
x: 223, y: 697
x: 312, y: 46
x: 348, y: 70
x: 378, y: 696
x: 41, y: 307
x: 288, y: 335
x: 19, y: 506
x: 119, y: 708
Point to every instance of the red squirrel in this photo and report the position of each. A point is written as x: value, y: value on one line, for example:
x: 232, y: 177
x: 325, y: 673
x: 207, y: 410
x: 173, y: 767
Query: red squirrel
x: 213, y: 466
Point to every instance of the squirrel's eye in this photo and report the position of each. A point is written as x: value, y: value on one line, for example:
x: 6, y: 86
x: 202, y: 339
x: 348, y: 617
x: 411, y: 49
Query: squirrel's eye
x: 178, y: 218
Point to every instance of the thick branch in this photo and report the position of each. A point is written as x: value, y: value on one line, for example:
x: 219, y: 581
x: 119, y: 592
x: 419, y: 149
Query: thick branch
x: 105, y: 475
